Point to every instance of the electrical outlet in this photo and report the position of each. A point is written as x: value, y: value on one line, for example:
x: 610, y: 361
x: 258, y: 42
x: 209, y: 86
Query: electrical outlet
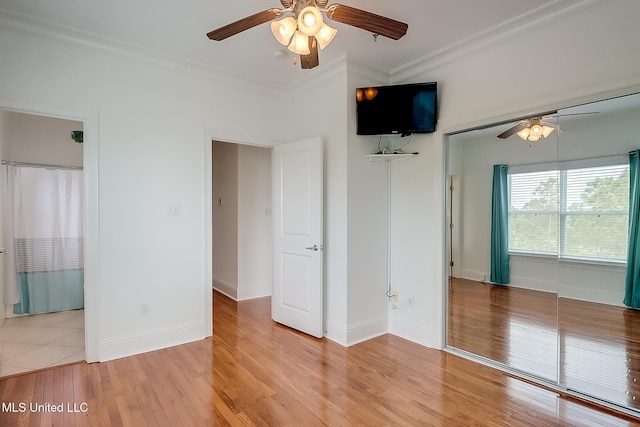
x: 144, y: 310
x: 394, y: 296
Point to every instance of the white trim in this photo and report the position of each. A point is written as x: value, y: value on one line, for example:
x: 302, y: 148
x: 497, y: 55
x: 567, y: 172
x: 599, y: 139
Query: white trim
x: 549, y: 12
x: 91, y: 151
x: 232, y: 136
x: 54, y: 31
x: 414, y: 332
x: 226, y: 288
x: 256, y: 291
x: 207, y: 243
x: 336, y: 332
x: 367, y: 330
x: 133, y: 344
x: 620, y: 159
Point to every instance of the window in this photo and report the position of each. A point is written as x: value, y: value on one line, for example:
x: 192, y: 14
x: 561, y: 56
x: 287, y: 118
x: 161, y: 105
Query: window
x: 571, y: 211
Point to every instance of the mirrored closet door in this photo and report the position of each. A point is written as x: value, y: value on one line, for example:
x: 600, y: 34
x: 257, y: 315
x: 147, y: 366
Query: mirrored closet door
x: 503, y: 310
x: 599, y: 335
x: 539, y: 282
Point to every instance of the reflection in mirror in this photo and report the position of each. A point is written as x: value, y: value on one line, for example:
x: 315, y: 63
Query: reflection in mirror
x: 509, y: 314
x: 599, y: 335
x: 566, y: 313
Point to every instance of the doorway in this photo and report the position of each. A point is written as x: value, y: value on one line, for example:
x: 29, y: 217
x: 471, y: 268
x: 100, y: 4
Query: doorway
x: 32, y: 338
x: 242, y: 229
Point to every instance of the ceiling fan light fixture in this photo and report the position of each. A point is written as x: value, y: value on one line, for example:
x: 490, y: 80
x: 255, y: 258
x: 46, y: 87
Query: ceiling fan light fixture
x: 325, y: 35
x: 310, y: 20
x: 524, y: 133
x: 299, y: 44
x: 546, y: 131
x: 284, y: 29
x: 536, y: 130
x: 533, y: 138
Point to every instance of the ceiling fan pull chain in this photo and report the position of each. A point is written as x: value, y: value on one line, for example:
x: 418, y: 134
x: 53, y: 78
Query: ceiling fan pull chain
x: 375, y: 37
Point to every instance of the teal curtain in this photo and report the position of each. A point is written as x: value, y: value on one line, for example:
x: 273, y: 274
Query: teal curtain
x: 500, y: 226
x: 632, y: 285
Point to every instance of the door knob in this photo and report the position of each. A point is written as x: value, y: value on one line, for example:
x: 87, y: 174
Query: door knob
x: 3, y: 251
x: 314, y: 248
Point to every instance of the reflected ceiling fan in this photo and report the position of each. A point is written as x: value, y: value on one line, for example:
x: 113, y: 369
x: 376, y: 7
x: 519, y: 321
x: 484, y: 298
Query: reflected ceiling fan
x: 303, y: 29
x: 535, y: 128
x: 531, y: 129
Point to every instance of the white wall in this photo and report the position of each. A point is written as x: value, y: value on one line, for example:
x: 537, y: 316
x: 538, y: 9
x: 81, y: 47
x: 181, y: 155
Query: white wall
x: 586, y: 57
x: 255, y: 223
x: 148, y: 121
x: 39, y: 139
x: 146, y: 142
x: 225, y: 218
x: 242, y: 224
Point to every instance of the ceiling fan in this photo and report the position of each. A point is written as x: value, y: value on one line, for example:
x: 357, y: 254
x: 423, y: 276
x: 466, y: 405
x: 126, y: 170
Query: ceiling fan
x: 534, y: 128
x: 531, y: 129
x: 303, y: 29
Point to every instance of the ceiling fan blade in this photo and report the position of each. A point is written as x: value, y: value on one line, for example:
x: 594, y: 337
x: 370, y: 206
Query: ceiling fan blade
x: 367, y: 21
x: 244, y: 24
x: 517, y: 128
x: 579, y: 114
x: 310, y: 60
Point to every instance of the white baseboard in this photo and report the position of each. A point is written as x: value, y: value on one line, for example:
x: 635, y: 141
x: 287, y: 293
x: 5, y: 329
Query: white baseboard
x: 226, y: 288
x: 413, y: 331
x: 600, y: 297
x: 150, y: 341
x: 251, y: 292
x: 336, y: 333
x: 366, y: 330
x: 522, y: 282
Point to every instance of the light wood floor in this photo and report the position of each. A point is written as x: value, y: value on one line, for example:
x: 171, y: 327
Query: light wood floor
x: 517, y: 327
x: 255, y: 372
x: 587, y: 347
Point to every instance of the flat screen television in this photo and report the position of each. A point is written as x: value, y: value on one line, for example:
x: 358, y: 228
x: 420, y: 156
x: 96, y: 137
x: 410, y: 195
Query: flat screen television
x: 397, y: 109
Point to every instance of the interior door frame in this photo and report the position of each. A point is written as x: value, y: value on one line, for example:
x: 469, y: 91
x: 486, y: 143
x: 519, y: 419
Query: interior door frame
x: 90, y: 119
x: 211, y: 135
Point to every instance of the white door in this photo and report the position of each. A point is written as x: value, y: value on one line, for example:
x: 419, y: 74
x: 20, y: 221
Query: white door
x: 298, y: 236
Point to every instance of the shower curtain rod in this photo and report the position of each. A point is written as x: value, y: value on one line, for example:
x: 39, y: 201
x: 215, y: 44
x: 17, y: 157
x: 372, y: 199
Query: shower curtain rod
x: 40, y: 165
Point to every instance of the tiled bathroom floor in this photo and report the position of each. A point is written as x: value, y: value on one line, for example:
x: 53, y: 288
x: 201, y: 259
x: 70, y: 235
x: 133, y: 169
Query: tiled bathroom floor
x: 40, y: 341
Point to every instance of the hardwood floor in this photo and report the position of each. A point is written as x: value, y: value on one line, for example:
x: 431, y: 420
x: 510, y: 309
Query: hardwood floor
x: 255, y: 372
x: 517, y: 327
x: 600, y: 350
x: 599, y: 344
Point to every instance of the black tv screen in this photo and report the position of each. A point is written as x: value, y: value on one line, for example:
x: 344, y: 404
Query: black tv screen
x: 398, y: 109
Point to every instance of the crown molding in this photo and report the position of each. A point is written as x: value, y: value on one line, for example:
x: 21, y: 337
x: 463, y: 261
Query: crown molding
x: 548, y: 13
x: 330, y: 71
x: 365, y: 73
x: 72, y: 36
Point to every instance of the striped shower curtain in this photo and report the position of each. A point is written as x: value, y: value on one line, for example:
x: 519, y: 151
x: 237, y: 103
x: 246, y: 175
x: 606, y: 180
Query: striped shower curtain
x: 46, y: 213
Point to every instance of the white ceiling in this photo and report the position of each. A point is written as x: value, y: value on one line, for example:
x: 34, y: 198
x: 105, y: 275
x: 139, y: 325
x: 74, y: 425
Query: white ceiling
x: 178, y: 30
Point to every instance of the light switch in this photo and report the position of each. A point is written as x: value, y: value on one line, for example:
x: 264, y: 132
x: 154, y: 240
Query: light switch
x: 173, y: 210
